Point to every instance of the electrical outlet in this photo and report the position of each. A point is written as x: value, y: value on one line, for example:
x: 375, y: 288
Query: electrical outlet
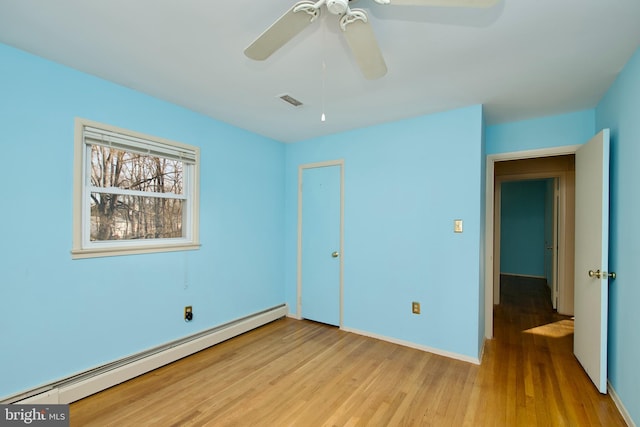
x: 457, y: 226
x: 415, y: 307
x: 188, y: 313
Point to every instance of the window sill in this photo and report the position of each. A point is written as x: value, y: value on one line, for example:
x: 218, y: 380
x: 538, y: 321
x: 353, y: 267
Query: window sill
x: 105, y: 252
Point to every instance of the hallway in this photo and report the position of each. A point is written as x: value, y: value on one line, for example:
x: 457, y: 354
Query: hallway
x: 530, y: 366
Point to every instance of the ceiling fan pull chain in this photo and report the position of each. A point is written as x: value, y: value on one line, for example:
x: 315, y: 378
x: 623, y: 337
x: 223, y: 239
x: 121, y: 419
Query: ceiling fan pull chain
x: 324, y: 78
x: 324, y: 71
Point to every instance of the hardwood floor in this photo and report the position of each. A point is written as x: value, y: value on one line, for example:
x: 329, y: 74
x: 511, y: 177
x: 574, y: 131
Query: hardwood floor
x: 300, y: 373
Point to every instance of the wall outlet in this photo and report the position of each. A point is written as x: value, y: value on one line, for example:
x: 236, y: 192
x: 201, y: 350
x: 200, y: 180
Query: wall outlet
x: 415, y: 307
x: 457, y: 226
x: 188, y: 313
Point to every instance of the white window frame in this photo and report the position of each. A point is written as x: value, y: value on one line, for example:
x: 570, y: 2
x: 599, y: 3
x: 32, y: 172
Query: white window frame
x: 83, y: 247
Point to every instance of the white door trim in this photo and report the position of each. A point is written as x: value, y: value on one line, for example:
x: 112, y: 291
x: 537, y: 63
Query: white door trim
x: 489, y: 218
x: 301, y: 169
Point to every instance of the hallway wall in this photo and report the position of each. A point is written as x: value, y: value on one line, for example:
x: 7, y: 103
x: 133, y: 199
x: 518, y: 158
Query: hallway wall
x: 522, y: 231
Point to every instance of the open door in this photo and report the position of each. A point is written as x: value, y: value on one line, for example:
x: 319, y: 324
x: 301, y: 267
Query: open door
x: 592, y: 258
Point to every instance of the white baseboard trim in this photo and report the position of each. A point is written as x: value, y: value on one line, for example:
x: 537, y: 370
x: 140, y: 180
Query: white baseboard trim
x: 46, y: 398
x: 623, y: 411
x: 484, y: 342
x: 437, y: 351
x: 95, y: 380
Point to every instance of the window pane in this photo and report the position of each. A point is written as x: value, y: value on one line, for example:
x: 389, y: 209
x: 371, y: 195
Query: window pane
x: 131, y: 171
x: 128, y: 217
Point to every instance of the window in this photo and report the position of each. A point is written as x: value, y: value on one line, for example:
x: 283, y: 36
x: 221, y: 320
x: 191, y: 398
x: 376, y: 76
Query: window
x: 133, y: 193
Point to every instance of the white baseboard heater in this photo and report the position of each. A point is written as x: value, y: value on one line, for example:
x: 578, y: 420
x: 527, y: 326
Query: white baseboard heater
x: 92, y: 381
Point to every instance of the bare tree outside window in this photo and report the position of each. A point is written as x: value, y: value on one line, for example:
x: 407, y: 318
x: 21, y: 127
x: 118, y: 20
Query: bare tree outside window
x: 131, y: 214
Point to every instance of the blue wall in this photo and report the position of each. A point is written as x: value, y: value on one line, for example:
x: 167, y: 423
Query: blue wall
x: 545, y: 132
x: 619, y: 110
x: 522, y: 227
x: 405, y: 183
x: 59, y: 316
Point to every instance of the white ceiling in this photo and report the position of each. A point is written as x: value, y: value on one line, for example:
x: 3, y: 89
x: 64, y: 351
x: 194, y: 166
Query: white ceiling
x: 521, y: 58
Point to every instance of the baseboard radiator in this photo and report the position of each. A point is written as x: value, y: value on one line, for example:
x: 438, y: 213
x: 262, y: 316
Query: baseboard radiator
x: 92, y: 381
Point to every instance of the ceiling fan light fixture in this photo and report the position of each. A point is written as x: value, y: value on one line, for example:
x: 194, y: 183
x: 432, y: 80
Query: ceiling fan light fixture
x: 337, y: 7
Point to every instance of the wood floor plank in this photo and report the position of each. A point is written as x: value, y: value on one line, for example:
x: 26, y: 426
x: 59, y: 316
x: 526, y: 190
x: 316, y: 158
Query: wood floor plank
x: 301, y: 373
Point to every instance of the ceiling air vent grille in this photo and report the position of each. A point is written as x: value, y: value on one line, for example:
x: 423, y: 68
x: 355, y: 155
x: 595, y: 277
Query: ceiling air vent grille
x: 291, y: 100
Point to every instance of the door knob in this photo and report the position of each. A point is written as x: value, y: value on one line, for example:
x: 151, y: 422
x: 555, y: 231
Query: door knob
x: 601, y: 274
x: 335, y: 254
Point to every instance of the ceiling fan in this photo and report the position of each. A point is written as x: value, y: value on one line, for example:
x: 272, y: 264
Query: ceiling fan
x: 354, y: 24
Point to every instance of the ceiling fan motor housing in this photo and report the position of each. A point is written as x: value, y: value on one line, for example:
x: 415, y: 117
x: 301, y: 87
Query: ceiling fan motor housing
x: 337, y: 7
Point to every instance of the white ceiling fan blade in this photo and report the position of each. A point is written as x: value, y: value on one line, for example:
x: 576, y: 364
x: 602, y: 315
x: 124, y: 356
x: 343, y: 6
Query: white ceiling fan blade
x: 442, y: 3
x: 284, y: 29
x: 363, y: 44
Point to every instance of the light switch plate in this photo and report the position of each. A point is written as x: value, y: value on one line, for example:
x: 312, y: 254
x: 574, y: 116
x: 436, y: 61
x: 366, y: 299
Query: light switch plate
x: 457, y: 226
x: 415, y: 307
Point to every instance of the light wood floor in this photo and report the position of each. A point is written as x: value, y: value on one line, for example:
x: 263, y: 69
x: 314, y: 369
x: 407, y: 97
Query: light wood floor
x: 300, y: 373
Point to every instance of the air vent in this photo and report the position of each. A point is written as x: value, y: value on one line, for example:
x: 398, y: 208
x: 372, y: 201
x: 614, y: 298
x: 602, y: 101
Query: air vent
x: 291, y: 100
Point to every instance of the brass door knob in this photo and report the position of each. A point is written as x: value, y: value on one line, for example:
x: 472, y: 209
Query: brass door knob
x: 335, y: 254
x: 601, y: 274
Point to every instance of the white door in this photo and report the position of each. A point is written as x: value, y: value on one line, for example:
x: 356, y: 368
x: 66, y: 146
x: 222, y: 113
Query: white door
x: 591, y: 258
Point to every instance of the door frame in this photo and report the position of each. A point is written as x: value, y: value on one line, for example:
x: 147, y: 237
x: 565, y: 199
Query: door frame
x: 301, y: 168
x: 557, y: 226
x: 490, y: 181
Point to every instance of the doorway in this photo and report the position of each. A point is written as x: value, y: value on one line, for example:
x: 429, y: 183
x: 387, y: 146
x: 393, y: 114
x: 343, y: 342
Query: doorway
x: 590, y: 249
x: 533, y: 164
x: 553, y: 178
